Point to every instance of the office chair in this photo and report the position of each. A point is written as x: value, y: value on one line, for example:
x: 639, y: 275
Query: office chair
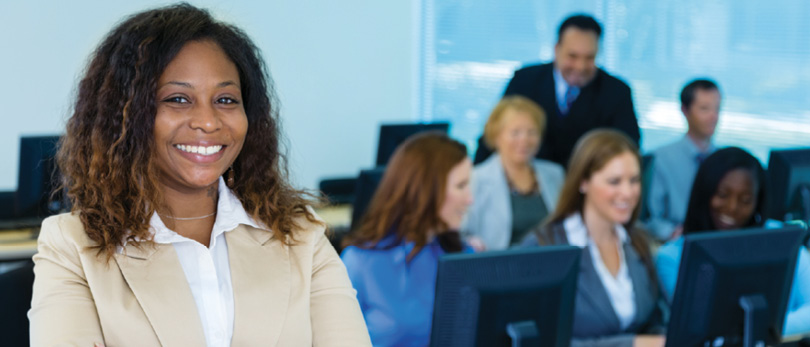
x: 16, y: 288
x: 647, y: 162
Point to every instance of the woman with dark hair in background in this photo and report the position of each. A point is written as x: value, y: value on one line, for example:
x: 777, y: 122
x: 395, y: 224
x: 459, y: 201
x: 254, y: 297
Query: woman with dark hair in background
x: 412, y: 220
x: 617, y: 299
x: 184, y: 229
x: 729, y: 194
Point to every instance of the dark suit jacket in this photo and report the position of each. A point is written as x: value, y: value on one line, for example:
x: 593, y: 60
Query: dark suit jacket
x: 604, y: 102
x: 595, y: 321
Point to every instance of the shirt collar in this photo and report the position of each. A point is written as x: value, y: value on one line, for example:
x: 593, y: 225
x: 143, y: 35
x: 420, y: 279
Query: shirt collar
x: 560, y: 85
x: 230, y: 213
x: 577, y: 232
x: 693, y: 149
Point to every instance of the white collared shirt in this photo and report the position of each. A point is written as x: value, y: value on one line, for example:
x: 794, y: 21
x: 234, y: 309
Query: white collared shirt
x: 561, y: 87
x: 207, y: 269
x: 619, y: 288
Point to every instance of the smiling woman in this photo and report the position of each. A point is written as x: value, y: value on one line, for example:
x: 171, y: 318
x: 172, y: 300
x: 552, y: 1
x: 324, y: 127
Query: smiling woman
x: 729, y: 194
x: 617, y: 300
x: 200, y: 128
x: 184, y: 229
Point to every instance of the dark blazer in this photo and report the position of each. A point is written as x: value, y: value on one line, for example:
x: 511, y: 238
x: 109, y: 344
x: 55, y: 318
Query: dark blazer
x: 595, y: 321
x: 604, y: 102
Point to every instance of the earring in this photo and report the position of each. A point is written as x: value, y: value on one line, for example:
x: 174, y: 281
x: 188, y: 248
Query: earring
x: 230, y: 180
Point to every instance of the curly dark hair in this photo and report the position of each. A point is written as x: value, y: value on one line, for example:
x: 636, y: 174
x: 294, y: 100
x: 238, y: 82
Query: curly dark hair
x: 107, y: 155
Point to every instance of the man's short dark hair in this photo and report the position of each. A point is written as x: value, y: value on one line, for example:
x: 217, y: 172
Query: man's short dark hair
x: 582, y: 22
x: 691, y: 88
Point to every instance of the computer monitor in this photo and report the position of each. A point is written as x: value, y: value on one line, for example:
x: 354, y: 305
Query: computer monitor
x: 364, y: 190
x: 789, y: 184
x: 518, y: 297
x: 733, y: 287
x: 37, y: 178
x: 392, y: 135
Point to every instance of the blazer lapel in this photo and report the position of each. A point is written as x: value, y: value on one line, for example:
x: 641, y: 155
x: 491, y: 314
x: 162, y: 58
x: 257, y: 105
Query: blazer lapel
x: 580, y: 111
x: 547, y: 94
x: 641, y: 283
x: 158, y: 282
x: 593, y: 291
x: 260, y: 272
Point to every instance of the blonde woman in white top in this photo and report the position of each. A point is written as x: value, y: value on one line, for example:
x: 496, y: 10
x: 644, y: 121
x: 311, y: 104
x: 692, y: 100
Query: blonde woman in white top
x: 514, y: 191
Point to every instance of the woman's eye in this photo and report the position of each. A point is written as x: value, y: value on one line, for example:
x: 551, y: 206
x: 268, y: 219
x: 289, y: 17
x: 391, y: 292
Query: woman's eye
x: 227, y: 101
x: 177, y: 99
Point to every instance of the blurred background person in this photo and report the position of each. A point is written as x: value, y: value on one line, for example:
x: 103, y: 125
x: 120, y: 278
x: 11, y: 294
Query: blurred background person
x: 412, y: 220
x: 675, y: 165
x: 576, y: 94
x: 729, y: 194
x: 617, y: 301
x: 514, y: 191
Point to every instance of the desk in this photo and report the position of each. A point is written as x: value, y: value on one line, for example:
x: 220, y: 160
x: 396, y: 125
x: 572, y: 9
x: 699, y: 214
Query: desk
x: 17, y: 244
x: 336, y: 216
x: 22, y: 244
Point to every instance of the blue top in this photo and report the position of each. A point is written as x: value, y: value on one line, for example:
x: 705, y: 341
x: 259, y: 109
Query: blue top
x: 674, y: 169
x: 396, y: 297
x: 797, y: 321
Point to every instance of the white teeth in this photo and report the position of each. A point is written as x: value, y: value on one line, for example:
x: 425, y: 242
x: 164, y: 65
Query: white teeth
x: 204, y: 150
x: 726, y: 219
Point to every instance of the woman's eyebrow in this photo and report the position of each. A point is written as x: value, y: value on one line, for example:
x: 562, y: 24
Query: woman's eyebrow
x: 188, y: 85
x: 177, y: 83
x: 227, y: 83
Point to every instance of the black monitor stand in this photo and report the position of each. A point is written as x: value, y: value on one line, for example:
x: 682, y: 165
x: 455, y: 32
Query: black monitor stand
x: 755, y: 329
x: 523, y: 333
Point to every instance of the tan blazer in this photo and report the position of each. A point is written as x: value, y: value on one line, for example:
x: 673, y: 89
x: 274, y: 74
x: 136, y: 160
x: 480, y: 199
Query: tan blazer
x: 296, y: 295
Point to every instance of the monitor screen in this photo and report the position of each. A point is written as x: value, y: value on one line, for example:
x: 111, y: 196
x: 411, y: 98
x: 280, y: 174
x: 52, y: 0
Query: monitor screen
x: 723, y: 272
x: 392, y: 135
x: 788, y: 171
x: 37, y: 177
x: 364, y: 190
x: 484, y: 299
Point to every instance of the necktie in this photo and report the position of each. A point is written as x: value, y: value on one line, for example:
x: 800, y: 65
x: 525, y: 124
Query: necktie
x: 568, y: 99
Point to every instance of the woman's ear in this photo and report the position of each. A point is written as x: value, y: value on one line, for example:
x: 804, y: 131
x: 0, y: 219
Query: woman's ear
x: 583, y: 187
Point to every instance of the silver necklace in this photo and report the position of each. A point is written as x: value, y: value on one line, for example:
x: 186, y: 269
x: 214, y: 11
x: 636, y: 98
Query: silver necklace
x: 188, y: 218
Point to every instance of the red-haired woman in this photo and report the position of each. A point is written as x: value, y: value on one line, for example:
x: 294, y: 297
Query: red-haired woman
x: 412, y: 220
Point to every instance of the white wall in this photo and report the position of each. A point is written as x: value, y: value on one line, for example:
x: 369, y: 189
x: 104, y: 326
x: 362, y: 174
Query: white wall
x: 340, y: 69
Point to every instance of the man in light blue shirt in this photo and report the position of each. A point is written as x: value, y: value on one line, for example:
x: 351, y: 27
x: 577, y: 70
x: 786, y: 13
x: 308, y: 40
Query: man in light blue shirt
x: 675, y: 165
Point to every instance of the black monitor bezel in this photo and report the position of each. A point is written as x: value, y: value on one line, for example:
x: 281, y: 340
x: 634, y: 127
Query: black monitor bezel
x: 552, y: 266
x: 740, y: 245
x: 392, y: 135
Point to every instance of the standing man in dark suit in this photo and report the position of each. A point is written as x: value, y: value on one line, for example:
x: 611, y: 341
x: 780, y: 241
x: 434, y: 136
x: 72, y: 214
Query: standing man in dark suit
x: 576, y: 95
